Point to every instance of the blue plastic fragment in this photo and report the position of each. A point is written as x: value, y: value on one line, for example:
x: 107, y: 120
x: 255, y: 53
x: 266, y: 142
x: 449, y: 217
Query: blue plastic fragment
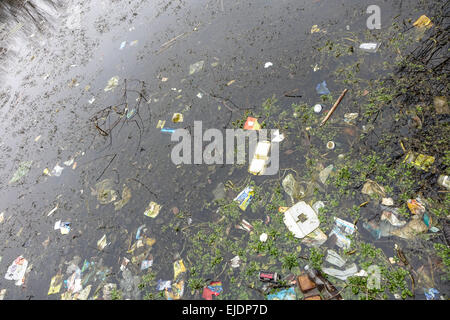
x: 287, y: 294
x: 321, y: 88
x: 167, y: 130
x: 431, y: 294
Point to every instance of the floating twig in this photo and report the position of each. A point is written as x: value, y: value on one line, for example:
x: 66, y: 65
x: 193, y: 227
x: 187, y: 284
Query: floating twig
x: 107, y: 167
x: 334, y: 107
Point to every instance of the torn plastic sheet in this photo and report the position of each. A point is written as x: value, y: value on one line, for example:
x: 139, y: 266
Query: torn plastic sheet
x: 196, y: 67
x: 324, y: 174
x: 342, y: 229
x: 315, y: 238
x: 341, y: 274
x: 291, y: 187
x: 334, y: 258
x: 73, y: 284
x: 371, y: 187
x: 126, y: 196
x: 104, y: 192
x: 392, y: 218
x: 23, y: 169
x: 16, y: 271
x: 322, y: 89
x: 57, y: 170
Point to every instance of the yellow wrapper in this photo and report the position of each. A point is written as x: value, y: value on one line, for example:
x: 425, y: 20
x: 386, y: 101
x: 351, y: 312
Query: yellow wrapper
x: 55, y: 284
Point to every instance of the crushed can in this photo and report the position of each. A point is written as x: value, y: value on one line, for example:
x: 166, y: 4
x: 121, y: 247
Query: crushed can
x: 266, y: 276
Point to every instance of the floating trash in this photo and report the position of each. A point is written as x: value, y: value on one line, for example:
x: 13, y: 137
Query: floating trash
x: 64, y: 227
x: 278, y: 137
x: 101, y: 244
x: 371, y: 187
x: 341, y: 230
x: 55, y: 284
x: 341, y: 274
x: 245, y: 225
x: 350, y: 117
x: 161, y: 124
x: 322, y: 89
x: 23, y: 169
x: 268, y: 64
x: 104, y: 192
x: 16, y: 271
x: 263, y: 237
x: 112, y: 83
x: 244, y: 198
x: 330, y: 145
x: 369, y: 47
x: 252, y: 124
x: 126, y: 196
x: 317, y: 108
x: 178, y: 268
x: 196, y: 67
x: 177, y: 117
x: 301, y: 219
x: 422, y: 22
x: 152, y: 210
x: 213, y: 289
x: 235, y: 262
x: 57, y: 170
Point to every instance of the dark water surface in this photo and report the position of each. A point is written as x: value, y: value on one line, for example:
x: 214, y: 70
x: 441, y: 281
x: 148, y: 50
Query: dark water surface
x: 49, y: 75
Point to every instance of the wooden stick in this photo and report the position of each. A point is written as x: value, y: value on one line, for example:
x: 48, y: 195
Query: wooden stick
x: 334, y: 107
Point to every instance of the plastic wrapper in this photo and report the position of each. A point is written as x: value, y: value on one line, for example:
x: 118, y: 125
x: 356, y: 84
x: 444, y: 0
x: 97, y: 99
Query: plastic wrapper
x: 341, y: 274
x: 244, y: 198
x: 152, y: 210
x: 341, y: 230
x: 213, y: 289
x: 16, y: 271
